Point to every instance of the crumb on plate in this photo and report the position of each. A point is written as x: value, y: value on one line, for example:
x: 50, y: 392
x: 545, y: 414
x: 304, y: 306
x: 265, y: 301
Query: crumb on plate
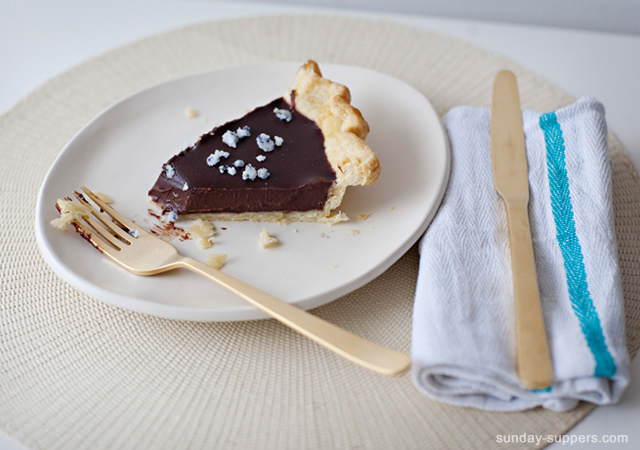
x: 69, y: 211
x: 216, y: 260
x: 266, y: 240
x: 104, y: 197
x: 203, y: 232
x: 191, y: 113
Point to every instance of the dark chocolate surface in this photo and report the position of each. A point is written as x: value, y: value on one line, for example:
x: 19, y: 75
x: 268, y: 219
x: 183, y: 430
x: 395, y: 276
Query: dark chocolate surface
x: 299, y: 173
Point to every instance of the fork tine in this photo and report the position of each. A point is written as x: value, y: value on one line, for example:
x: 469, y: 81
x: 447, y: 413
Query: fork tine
x: 115, y: 231
x: 104, y: 233
x: 92, y: 237
x: 98, y: 228
x: 126, y: 224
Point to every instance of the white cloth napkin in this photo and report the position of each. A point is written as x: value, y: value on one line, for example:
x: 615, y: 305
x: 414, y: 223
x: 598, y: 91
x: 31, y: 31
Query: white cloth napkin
x: 463, y: 341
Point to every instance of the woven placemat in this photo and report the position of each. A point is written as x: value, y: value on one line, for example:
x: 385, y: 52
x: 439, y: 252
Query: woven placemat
x: 76, y: 373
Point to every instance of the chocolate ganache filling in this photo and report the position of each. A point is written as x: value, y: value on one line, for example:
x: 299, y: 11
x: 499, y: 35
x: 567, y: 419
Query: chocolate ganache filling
x: 272, y: 159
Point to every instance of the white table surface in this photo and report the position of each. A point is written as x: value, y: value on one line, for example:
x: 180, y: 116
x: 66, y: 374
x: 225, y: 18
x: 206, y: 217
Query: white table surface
x: 40, y: 39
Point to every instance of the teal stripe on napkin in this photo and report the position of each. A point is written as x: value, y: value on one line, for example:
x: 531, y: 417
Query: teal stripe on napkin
x: 570, y: 248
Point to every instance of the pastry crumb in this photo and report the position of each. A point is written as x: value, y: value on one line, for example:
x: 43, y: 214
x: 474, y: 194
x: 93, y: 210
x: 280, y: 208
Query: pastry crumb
x: 205, y: 243
x: 204, y: 233
x: 104, y: 197
x: 216, y: 260
x: 363, y: 216
x: 354, y: 232
x: 266, y: 240
x: 69, y: 211
x: 191, y: 113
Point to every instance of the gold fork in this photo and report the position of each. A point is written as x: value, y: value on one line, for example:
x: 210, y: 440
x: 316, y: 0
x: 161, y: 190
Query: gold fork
x: 142, y: 253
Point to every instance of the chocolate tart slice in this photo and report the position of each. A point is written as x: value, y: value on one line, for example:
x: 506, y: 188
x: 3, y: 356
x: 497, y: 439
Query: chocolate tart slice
x: 289, y: 160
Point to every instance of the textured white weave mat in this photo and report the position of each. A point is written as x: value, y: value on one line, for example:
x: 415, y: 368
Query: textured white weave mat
x: 76, y: 373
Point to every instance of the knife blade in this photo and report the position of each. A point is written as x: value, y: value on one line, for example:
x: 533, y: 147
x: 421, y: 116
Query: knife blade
x: 510, y: 175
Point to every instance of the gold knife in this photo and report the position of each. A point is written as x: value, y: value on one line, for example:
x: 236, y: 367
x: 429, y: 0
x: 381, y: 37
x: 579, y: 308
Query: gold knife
x: 510, y: 175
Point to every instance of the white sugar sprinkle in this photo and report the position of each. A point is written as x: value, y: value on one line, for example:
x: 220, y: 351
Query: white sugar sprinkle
x: 243, y: 132
x: 278, y: 140
x: 223, y: 168
x: 265, y: 143
x: 135, y: 233
x: 261, y: 158
x: 169, y: 170
x: 185, y: 187
x: 249, y: 172
x: 263, y: 173
x: 238, y: 163
x: 283, y: 114
x: 230, y: 138
x: 231, y: 171
x: 216, y: 156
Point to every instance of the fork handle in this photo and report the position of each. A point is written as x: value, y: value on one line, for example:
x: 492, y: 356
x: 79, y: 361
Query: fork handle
x: 354, y: 348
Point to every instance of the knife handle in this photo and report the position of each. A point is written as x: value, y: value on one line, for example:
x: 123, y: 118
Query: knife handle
x: 533, y: 362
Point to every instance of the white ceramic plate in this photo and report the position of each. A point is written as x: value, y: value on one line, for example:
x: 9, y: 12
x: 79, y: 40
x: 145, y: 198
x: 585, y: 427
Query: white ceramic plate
x: 121, y: 153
